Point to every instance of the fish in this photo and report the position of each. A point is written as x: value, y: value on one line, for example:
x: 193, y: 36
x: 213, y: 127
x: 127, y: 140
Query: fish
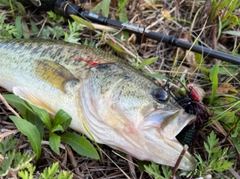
x: 109, y: 101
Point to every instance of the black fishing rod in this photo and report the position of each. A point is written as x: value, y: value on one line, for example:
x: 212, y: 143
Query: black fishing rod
x: 66, y: 9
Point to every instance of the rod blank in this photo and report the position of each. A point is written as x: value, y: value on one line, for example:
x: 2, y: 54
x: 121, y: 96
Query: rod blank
x: 67, y: 8
x: 161, y: 38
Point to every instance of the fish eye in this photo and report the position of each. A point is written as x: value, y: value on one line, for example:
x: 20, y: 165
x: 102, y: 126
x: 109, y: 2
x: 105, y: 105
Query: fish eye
x: 160, y: 95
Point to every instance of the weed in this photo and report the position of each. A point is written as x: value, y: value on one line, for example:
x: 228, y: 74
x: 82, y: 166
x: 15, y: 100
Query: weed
x: 153, y: 170
x: 223, y: 12
x: 214, y: 79
x: 13, y: 161
x: 216, y: 158
x: 48, y: 173
x: 7, y: 30
x: 58, y: 125
x: 102, y: 7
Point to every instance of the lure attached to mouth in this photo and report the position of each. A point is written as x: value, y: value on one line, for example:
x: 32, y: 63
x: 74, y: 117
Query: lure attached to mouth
x: 191, y: 103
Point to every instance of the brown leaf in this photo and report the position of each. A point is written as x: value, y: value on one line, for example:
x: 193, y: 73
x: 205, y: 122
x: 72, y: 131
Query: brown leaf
x: 225, y: 88
x: 166, y: 14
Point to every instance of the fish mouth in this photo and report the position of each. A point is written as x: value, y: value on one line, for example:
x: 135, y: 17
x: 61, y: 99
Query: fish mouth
x: 160, y: 130
x: 170, y: 123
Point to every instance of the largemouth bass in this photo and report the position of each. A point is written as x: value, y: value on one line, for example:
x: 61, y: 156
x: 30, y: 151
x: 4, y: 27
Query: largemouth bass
x: 119, y: 106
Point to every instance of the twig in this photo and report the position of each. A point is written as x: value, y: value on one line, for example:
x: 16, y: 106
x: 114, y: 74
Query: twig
x: 131, y: 167
x: 174, y: 170
x: 2, y: 136
x: 73, y: 161
x: 220, y: 129
x: 8, y: 106
x: 14, y: 175
x: 234, y: 173
x: 125, y: 158
x: 115, y: 164
x: 40, y: 31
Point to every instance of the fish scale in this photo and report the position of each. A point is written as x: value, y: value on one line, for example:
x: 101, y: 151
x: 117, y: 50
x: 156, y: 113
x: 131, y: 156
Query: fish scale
x: 102, y: 94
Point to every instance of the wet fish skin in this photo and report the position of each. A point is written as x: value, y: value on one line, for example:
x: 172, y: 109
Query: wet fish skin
x: 109, y: 98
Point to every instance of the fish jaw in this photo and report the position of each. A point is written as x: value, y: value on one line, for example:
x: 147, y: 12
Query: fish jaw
x: 161, y: 131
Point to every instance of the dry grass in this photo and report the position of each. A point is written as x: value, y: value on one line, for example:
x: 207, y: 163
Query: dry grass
x: 175, y: 18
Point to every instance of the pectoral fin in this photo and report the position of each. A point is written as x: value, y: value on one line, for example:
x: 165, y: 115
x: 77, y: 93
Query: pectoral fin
x: 53, y: 73
x: 25, y: 94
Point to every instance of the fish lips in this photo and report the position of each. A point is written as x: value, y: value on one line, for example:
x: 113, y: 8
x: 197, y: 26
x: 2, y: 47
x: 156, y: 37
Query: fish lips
x: 161, y: 128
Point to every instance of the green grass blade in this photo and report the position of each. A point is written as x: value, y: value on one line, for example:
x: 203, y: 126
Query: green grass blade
x: 105, y: 8
x: 231, y: 32
x: 57, y: 128
x: 82, y: 21
x: 36, y: 121
x: 54, y: 142
x: 18, y: 103
x: 147, y: 62
x: 63, y: 119
x: 34, y: 28
x: 122, y: 13
x: 214, y: 79
x: 43, y: 115
x: 21, y: 8
x: 116, y: 47
x: 31, y: 132
x: 26, y: 111
x: 18, y: 25
x: 80, y: 144
x: 25, y: 30
x: 121, y: 5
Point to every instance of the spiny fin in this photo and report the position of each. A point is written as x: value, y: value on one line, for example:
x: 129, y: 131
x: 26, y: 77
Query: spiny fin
x: 53, y: 73
x: 25, y: 94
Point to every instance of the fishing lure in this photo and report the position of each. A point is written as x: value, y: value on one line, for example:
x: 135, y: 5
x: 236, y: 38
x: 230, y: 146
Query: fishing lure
x: 192, y: 105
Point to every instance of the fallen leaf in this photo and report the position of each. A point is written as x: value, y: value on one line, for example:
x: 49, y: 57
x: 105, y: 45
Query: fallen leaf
x: 166, y: 14
x: 226, y: 88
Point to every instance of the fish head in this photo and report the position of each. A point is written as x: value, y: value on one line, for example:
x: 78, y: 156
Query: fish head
x: 129, y: 112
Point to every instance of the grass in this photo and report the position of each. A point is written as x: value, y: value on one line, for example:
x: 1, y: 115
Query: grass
x: 215, y: 24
